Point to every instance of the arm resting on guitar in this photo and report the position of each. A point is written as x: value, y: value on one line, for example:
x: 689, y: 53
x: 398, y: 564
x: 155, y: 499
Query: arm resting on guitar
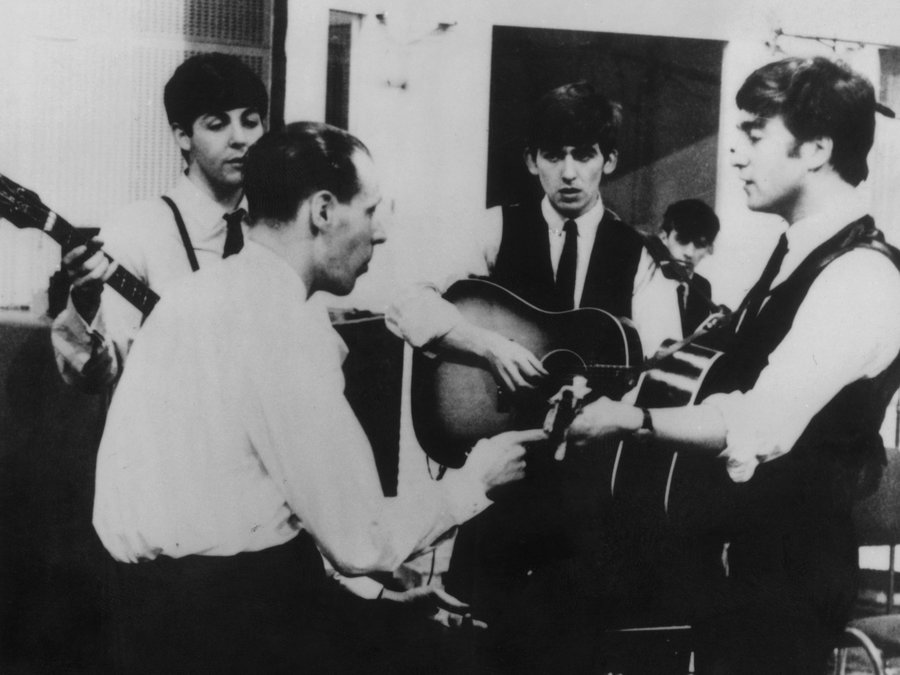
x: 698, y: 428
x: 423, y: 318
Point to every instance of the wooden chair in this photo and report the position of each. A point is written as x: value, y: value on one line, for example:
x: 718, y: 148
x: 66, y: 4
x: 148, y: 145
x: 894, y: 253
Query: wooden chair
x: 877, y: 521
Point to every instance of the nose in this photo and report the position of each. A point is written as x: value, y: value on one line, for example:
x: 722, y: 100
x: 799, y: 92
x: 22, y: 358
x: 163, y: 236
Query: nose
x: 240, y: 135
x: 379, y: 234
x: 738, y: 155
x: 568, y: 167
x: 690, y: 252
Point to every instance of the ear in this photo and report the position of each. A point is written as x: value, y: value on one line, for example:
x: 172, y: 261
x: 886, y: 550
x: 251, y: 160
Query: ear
x: 528, y: 156
x: 611, y: 162
x: 321, y: 211
x: 817, y: 152
x: 182, y: 138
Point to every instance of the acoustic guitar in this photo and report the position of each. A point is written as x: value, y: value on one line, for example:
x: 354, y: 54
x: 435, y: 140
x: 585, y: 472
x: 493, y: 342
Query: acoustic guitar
x: 455, y: 398
x: 24, y: 209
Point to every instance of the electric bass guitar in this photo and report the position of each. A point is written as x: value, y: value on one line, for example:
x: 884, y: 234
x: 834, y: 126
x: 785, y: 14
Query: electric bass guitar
x: 24, y: 209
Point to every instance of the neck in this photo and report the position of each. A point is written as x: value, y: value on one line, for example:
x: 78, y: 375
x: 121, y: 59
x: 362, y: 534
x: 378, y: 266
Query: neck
x: 825, y: 194
x: 226, y: 196
x: 285, y: 242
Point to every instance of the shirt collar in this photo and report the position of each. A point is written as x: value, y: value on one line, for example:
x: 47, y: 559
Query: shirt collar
x: 203, y: 216
x: 285, y: 278
x: 587, y: 222
x: 804, y: 235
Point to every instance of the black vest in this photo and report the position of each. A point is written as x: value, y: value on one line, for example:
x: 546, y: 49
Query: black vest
x: 523, y: 262
x: 790, y: 526
x: 845, y: 433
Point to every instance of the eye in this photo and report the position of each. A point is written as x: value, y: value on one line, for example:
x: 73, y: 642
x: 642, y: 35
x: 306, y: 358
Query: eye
x: 584, y: 155
x: 552, y: 155
x: 251, y: 120
x: 215, y: 122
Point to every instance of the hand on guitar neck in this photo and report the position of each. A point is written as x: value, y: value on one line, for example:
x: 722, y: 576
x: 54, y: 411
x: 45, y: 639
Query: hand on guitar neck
x: 87, y: 268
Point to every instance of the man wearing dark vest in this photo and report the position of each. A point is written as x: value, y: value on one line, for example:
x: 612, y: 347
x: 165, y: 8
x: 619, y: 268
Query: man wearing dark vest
x: 564, y: 251
x: 771, y: 465
x: 216, y: 106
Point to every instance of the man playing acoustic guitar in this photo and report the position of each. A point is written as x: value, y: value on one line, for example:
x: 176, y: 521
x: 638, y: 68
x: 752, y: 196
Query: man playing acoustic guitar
x: 771, y: 465
x: 564, y: 251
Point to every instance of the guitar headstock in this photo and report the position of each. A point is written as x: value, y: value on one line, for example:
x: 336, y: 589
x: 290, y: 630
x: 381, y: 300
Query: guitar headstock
x: 20, y: 206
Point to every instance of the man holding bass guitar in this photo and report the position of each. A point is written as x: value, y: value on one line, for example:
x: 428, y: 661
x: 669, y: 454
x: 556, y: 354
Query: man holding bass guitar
x: 770, y: 466
x: 215, y: 106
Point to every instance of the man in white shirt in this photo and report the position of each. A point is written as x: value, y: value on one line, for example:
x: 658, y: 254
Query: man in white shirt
x: 771, y: 465
x: 216, y: 105
x: 230, y: 454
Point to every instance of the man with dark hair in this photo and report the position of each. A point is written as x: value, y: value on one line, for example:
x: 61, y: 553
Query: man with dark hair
x: 216, y: 106
x: 230, y: 454
x: 769, y: 469
x: 566, y: 250
x: 675, y: 304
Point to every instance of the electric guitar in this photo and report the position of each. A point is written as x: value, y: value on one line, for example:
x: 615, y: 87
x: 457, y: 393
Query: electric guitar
x: 24, y: 209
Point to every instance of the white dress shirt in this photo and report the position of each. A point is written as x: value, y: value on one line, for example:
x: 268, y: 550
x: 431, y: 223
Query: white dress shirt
x: 654, y: 307
x: 229, y: 432
x: 847, y: 328
x: 143, y: 238
x: 419, y: 315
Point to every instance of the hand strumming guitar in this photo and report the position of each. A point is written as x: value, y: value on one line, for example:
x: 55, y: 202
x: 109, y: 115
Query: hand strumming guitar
x: 513, y: 365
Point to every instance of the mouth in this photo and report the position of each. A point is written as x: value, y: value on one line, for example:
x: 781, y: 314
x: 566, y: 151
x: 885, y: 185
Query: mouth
x: 569, y: 193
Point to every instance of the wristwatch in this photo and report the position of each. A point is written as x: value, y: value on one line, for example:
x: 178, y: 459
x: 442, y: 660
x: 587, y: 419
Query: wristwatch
x: 646, y: 428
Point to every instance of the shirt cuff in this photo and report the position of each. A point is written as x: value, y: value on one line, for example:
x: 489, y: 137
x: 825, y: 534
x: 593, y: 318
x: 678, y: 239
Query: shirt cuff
x: 420, y: 316
x: 362, y: 587
x: 465, y: 496
x: 741, y: 453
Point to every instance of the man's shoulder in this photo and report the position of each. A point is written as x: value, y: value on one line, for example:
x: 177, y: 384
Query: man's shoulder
x: 142, y: 214
x: 701, y: 282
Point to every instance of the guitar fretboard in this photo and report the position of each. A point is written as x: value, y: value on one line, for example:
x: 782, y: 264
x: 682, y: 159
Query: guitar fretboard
x: 121, y: 280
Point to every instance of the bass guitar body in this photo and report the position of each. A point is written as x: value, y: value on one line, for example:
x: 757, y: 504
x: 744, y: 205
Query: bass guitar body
x: 456, y: 400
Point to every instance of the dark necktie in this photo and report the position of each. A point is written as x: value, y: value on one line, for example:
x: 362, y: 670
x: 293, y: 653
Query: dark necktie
x: 682, y: 291
x: 234, y: 237
x: 760, y: 291
x: 565, y: 270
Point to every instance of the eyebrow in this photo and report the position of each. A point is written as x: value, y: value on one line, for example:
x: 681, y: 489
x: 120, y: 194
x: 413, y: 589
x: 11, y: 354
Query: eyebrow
x: 756, y: 123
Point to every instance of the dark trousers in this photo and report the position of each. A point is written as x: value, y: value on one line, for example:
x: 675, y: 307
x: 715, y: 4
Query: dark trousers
x: 270, y: 611
x: 263, y: 611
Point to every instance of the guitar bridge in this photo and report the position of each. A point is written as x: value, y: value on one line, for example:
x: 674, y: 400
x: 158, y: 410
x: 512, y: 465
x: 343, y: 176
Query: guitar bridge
x: 564, y: 405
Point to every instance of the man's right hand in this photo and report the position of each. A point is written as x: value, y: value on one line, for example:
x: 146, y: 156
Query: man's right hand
x: 501, y: 459
x: 87, y: 268
x: 514, y: 365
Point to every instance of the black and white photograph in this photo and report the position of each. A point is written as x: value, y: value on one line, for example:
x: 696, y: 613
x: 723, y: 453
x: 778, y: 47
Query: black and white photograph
x: 489, y: 337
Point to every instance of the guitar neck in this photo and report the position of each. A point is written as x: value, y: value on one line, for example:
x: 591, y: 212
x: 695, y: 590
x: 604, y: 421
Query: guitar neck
x: 121, y: 280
